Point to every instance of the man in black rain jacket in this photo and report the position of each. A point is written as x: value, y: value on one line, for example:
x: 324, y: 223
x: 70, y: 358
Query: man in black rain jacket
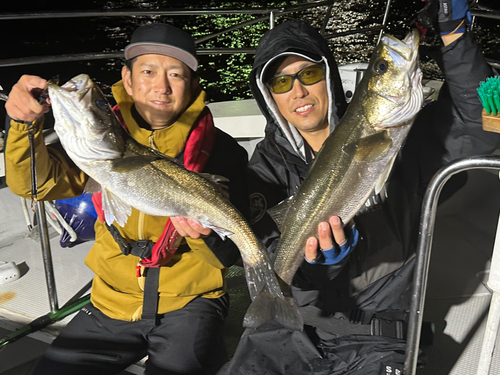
x: 355, y: 310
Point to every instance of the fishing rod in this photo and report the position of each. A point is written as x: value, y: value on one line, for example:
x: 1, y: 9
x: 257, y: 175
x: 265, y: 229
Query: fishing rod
x: 3, y: 94
x: 45, y: 320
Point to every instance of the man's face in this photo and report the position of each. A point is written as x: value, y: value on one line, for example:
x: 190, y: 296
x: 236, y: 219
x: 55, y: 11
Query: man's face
x: 161, y: 88
x: 305, y: 107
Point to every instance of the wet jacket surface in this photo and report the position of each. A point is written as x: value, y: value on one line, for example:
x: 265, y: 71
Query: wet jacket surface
x: 194, y: 270
x: 376, y: 277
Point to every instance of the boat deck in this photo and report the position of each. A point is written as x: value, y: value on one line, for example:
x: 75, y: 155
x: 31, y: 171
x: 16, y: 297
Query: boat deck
x: 457, y: 298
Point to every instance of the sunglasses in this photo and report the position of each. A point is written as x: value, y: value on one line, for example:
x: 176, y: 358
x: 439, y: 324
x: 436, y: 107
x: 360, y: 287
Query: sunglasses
x: 307, y: 76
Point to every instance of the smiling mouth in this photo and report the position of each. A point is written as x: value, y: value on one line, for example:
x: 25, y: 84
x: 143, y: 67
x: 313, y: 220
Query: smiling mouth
x: 303, y: 108
x: 159, y: 102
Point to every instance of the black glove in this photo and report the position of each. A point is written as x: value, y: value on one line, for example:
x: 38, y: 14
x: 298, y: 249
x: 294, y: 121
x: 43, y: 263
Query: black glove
x: 446, y: 16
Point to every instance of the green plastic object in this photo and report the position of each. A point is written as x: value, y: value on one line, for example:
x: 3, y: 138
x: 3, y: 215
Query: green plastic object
x: 489, y: 94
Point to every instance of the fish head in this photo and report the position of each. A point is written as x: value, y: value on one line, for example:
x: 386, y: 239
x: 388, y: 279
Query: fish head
x: 84, y: 121
x: 392, y: 92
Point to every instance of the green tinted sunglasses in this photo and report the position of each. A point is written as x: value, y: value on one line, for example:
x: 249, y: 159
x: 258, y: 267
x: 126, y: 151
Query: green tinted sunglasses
x: 307, y: 76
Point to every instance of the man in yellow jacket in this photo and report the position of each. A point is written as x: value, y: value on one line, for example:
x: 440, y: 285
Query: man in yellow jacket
x: 160, y: 102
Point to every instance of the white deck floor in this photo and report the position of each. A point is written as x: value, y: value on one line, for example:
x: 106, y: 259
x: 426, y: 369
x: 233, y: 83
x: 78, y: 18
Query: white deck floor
x: 457, y: 299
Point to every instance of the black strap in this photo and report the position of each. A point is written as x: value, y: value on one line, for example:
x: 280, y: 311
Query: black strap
x: 358, y: 316
x: 151, y: 295
x: 388, y: 323
x: 140, y: 248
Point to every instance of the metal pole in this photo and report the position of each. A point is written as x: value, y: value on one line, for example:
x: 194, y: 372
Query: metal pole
x: 490, y: 335
x: 492, y: 325
x: 47, y: 256
x: 423, y: 252
x: 327, y: 18
x: 384, y: 22
x: 271, y: 20
x: 154, y: 12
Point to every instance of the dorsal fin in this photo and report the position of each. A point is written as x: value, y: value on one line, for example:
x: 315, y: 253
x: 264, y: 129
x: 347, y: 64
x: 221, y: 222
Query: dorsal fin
x: 279, y: 211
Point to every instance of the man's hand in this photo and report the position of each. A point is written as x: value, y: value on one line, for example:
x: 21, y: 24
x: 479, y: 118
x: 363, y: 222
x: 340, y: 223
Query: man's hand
x: 22, y: 104
x: 334, y: 245
x: 189, y: 227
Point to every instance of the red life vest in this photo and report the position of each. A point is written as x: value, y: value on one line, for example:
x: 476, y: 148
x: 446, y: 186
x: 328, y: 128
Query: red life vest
x: 198, y: 147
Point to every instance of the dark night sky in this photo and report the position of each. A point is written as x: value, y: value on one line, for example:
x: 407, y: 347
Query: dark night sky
x: 25, y: 38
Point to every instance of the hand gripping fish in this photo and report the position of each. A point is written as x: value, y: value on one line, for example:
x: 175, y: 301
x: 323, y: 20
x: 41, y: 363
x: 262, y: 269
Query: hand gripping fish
x: 357, y: 157
x: 133, y: 175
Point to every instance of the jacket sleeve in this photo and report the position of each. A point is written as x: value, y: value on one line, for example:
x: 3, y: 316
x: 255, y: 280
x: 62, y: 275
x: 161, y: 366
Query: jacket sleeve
x: 464, y: 67
x: 56, y: 177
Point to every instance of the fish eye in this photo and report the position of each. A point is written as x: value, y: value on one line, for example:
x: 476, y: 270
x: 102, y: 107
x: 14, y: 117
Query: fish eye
x: 101, y: 103
x: 380, y: 66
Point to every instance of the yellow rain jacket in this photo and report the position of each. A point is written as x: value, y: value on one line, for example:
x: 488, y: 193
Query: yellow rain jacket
x: 117, y: 290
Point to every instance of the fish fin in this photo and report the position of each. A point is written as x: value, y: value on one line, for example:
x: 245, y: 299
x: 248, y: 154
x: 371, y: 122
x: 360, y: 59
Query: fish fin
x: 279, y: 211
x: 217, y: 179
x: 92, y: 186
x: 115, y: 209
x: 219, y: 182
x: 269, y: 309
x: 131, y: 163
x: 384, y: 176
x: 269, y: 306
x: 223, y: 233
x: 166, y: 157
x: 369, y: 148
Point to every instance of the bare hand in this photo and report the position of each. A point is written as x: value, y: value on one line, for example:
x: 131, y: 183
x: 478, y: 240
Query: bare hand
x: 189, y: 227
x: 22, y: 104
x: 327, y: 234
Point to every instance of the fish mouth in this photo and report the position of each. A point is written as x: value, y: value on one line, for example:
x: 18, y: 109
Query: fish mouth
x: 79, y: 84
x: 72, y: 101
x: 404, y: 54
x: 407, y: 47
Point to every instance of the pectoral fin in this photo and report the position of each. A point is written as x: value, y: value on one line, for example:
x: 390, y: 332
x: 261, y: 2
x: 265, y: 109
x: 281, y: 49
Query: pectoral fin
x: 370, y: 148
x: 115, y: 209
x: 384, y: 176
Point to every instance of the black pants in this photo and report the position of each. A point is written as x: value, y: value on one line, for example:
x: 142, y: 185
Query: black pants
x: 186, y: 341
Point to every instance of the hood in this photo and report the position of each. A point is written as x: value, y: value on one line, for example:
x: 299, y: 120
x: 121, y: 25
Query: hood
x: 295, y: 37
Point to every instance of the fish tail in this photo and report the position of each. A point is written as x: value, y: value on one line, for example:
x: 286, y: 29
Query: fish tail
x: 271, y: 310
x: 269, y: 305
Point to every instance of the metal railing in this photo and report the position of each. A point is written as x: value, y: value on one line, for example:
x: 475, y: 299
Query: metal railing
x: 423, y: 253
x: 269, y: 14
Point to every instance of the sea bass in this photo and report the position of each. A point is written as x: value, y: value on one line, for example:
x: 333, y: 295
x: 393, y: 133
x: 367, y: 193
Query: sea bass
x: 357, y: 157
x: 130, y: 174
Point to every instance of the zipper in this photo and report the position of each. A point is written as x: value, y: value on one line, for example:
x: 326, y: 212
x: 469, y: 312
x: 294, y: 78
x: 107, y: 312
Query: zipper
x: 152, y: 140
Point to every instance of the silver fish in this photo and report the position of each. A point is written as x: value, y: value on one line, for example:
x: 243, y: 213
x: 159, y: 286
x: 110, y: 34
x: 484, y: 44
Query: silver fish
x: 357, y: 157
x: 130, y: 174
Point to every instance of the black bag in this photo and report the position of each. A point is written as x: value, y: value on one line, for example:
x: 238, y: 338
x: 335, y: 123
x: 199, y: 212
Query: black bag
x: 285, y: 352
